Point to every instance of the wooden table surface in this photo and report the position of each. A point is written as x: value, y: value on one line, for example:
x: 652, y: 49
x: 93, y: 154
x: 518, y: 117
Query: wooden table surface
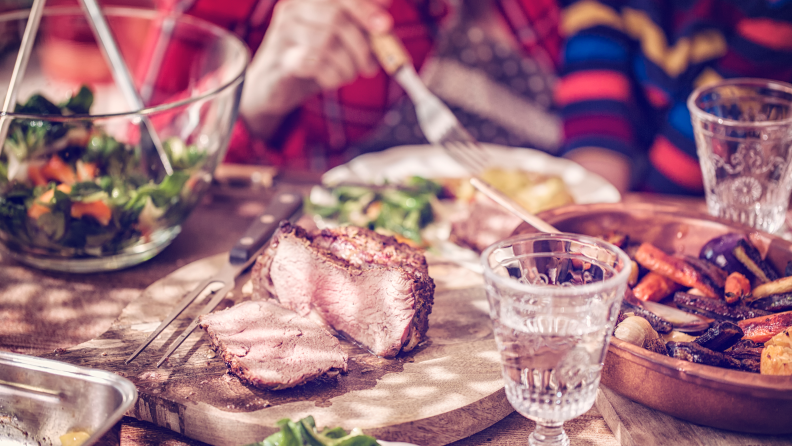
x: 43, y: 311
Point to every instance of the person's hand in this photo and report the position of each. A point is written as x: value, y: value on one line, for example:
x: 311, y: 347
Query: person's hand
x: 310, y: 45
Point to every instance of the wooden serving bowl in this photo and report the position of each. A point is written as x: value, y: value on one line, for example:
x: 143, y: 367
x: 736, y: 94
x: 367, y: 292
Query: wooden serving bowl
x: 710, y: 396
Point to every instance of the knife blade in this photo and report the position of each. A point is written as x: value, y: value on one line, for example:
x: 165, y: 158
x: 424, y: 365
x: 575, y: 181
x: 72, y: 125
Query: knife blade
x: 283, y: 206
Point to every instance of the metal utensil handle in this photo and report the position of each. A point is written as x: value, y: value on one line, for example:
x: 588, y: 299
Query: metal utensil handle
x: 178, y: 310
x: 121, y: 73
x: 23, y: 56
x: 512, y: 206
x: 282, y: 206
x: 389, y: 51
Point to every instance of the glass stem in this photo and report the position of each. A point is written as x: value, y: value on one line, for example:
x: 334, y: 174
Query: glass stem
x: 548, y: 433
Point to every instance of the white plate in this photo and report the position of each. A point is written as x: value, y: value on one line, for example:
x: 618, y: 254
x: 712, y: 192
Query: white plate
x: 398, y: 163
x: 394, y: 443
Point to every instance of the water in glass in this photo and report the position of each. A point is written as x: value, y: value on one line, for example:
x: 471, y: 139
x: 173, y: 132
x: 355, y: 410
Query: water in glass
x: 553, y: 301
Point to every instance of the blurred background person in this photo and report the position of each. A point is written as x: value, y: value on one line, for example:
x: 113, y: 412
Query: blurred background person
x: 629, y: 67
x: 314, y: 94
x: 316, y: 97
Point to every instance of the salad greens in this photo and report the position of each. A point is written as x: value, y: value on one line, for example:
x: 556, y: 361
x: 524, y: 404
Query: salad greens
x: 403, y: 211
x: 68, y: 188
x: 304, y: 433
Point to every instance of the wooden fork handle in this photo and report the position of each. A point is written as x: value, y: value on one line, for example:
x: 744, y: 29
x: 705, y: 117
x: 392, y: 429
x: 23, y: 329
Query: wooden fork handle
x: 390, y: 52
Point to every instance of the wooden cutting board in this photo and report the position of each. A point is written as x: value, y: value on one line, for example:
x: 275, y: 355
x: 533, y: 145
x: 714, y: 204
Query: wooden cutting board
x: 634, y: 424
x: 449, y: 388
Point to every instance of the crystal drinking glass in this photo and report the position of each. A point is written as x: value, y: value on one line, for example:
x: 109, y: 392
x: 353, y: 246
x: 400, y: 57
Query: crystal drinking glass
x: 743, y: 130
x: 554, y: 299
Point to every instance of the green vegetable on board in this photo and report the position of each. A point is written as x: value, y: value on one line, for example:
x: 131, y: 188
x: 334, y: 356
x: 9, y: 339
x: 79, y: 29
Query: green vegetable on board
x: 305, y: 433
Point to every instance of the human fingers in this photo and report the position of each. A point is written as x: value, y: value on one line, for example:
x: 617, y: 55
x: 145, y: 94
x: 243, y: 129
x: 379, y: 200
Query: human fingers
x: 371, y: 15
x: 330, y: 68
x: 328, y: 21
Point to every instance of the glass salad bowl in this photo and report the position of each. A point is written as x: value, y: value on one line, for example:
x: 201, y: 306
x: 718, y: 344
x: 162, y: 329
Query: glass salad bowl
x: 83, y: 186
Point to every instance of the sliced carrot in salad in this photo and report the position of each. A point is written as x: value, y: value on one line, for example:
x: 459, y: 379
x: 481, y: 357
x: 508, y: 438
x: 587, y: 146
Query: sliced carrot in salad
x: 36, y: 175
x: 40, y: 204
x: 98, y: 209
x: 56, y: 169
x: 86, y: 171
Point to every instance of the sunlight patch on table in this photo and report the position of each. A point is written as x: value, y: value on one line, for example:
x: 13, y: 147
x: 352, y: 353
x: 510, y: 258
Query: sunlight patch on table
x: 419, y: 391
x: 491, y: 356
x: 438, y: 373
x: 20, y: 293
x: 449, y: 403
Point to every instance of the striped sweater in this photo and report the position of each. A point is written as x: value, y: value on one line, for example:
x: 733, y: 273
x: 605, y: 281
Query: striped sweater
x: 629, y: 67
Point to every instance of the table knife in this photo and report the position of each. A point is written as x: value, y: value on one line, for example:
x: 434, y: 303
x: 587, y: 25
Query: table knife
x: 283, y: 206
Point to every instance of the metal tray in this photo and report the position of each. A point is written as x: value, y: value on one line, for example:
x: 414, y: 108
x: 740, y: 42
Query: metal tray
x: 42, y: 399
x: 710, y: 396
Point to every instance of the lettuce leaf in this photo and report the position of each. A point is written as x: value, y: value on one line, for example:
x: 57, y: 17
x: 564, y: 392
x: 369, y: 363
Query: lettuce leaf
x: 304, y: 433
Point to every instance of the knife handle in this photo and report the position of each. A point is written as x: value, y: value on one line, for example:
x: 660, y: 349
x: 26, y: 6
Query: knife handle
x: 390, y: 52
x: 283, y: 206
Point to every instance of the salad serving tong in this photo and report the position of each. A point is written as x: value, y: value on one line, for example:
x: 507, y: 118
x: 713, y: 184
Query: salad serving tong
x: 112, y: 54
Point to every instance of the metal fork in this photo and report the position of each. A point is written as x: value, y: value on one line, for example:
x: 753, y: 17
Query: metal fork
x: 441, y: 127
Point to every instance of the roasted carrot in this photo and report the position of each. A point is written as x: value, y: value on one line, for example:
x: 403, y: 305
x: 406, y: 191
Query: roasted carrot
x: 654, y: 287
x: 762, y: 328
x: 737, y: 286
x: 36, y: 210
x: 56, y: 169
x: 98, y: 209
x: 673, y: 268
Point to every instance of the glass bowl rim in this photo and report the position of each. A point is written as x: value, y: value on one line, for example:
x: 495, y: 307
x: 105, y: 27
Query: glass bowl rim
x: 558, y: 291
x: 146, y: 14
x: 746, y: 81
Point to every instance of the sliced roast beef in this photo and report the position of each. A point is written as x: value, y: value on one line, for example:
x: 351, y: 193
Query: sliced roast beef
x: 366, y: 286
x: 271, y: 347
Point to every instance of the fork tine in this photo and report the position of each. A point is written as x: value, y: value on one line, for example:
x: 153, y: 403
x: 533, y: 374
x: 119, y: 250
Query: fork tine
x: 218, y: 296
x: 471, y: 158
x: 183, y: 304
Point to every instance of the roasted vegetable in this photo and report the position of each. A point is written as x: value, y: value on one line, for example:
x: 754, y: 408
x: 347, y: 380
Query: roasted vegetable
x: 690, y: 351
x: 674, y: 268
x: 619, y: 239
x: 637, y: 331
x: 774, y: 303
x: 749, y: 256
x: 709, y: 270
x: 719, y: 252
x: 719, y: 337
x: 632, y: 280
x: 659, y: 324
x: 737, y: 288
x: 778, y: 286
x: 716, y: 309
x: 654, y: 287
x: 679, y: 319
x: 748, y: 353
x: 678, y: 336
x: 752, y: 365
x: 634, y: 329
x: 777, y: 355
x: 761, y: 329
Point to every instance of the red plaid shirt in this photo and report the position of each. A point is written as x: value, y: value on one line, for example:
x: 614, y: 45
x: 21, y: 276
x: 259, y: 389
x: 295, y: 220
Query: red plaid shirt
x: 325, y: 125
